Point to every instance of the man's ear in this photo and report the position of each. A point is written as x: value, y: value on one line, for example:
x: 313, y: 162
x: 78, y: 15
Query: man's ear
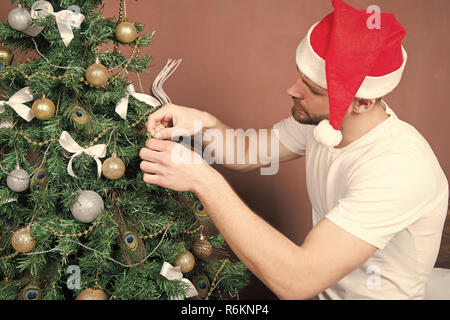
x: 362, y: 105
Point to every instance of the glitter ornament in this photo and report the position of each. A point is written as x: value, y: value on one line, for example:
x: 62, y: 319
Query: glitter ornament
x: 202, y: 248
x: 113, y: 168
x: 19, y: 19
x: 88, y: 206
x: 43, y: 109
x: 92, y: 294
x: 126, y: 32
x: 31, y: 292
x: 202, y: 285
x: 97, y: 74
x: 18, y: 180
x: 22, y: 241
x: 185, y: 261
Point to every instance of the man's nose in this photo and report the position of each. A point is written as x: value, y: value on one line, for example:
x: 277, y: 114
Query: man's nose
x: 295, y: 90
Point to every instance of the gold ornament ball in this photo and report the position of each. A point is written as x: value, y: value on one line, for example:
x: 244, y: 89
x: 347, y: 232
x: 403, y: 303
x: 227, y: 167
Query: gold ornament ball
x: 6, y: 57
x: 92, y: 294
x: 186, y: 261
x: 43, y: 109
x: 202, y: 248
x: 113, y: 168
x: 22, y: 241
x: 97, y: 74
x: 126, y: 32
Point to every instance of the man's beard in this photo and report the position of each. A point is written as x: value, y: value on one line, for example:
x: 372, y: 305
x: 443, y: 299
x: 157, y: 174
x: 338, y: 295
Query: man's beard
x: 306, y: 118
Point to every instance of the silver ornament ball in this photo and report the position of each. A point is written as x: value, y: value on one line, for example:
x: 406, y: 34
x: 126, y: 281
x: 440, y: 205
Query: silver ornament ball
x: 88, y: 206
x: 18, y: 180
x: 19, y: 19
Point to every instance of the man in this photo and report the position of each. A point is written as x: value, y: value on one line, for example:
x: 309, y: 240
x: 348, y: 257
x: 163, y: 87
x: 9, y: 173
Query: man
x: 372, y: 177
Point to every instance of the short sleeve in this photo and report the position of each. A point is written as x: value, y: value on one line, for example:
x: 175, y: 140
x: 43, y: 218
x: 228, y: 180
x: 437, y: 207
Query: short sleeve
x: 385, y: 196
x: 293, y: 135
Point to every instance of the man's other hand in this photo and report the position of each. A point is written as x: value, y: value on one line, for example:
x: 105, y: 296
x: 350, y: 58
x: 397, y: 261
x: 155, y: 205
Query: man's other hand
x: 164, y: 123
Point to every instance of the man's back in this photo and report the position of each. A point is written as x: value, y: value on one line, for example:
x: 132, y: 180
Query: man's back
x: 386, y: 188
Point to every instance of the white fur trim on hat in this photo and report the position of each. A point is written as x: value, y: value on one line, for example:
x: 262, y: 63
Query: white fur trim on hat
x: 313, y: 66
x: 325, y: 134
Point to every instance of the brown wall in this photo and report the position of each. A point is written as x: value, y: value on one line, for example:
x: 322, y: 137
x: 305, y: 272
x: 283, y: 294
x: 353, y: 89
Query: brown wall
x: 239, y: 57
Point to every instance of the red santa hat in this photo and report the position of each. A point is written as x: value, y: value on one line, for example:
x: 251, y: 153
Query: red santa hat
x: 349, y: 59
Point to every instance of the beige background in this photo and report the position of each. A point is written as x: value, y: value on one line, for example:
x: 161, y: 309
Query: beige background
x: 239, y: 58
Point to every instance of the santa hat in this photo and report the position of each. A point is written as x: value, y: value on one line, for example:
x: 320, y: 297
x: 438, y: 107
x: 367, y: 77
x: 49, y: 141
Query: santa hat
x: 349, y: 59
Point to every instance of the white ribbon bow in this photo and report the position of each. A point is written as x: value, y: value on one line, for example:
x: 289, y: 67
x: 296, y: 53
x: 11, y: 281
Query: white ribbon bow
x: 157, y: 90
x: 96, y: 152
x: 174, y: 273
x: 16, y: 102
x: 122, y: 105
x: 66, y: 20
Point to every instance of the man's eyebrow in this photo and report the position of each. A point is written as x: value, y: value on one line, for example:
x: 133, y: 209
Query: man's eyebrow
x: 312, y: 88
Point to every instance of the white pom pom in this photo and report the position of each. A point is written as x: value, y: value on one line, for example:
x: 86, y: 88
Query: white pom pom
x: 325, y: 134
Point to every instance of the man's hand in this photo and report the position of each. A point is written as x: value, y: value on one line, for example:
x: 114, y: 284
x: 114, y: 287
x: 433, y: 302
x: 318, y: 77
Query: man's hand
x: 164, y: 122
x: 171, y: 165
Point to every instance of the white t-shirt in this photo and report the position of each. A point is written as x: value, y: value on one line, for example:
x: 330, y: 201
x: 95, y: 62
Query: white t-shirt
x: 386, y: 188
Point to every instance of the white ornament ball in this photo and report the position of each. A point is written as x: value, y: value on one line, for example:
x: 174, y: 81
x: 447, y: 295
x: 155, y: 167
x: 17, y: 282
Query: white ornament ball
x: 18, y: 180
x: 19, y: 19
x: 88, y: 206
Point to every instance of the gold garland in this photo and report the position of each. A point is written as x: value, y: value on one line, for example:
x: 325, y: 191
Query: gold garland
x: 74, y: 235
x: 9, y: 256
x: 134, y: 55
x: 196, y: 230
x: 121, y: 9
x: 122, y: 4
x: 100, y: 135
x: 77, y: 235
x: 150, y: 236
x: 211, y: 289
x: 86, y: 232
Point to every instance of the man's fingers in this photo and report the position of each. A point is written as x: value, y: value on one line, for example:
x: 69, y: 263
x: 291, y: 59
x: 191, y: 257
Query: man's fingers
x: 157, y: 116
x: 157, y: 145
x: 165, y: 133
x: 152, y: 179
x: 161, y: 115
x: 150, y: 155
x: 150, y: 167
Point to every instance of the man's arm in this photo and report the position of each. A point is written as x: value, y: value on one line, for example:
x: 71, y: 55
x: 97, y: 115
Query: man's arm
x: 257, y: 154
x: 246, y: 146
x: 290, y: 271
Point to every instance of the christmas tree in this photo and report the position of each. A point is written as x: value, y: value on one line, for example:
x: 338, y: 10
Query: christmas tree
x: 76, y: 219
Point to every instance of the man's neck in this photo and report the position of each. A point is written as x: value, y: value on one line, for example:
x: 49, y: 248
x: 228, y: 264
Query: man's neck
x: 357, y: 125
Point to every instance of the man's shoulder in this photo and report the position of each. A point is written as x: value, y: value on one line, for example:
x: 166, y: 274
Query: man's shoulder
x: 401, y: 156
x: 399, y: 140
